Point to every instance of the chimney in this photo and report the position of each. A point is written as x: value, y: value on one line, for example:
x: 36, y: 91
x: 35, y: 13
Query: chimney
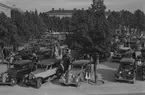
x: 75, y: 9
x: 52, y: 9
x: 59, y: 8
x: 82, y: 9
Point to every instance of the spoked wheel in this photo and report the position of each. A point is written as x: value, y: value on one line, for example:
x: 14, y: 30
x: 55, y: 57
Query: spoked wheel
x: 78, y: 82
x: 38, y: 83
x: 133, y: 81
x: 13, y: 82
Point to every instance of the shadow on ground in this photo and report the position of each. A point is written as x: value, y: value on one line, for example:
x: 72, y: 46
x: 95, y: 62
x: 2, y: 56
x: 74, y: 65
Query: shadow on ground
x: 107, y: 74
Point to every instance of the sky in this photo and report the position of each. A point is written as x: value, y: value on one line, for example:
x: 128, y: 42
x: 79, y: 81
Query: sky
x: 46, y: 5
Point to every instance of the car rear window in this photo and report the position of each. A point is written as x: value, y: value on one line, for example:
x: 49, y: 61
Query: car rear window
x: 123, y: 51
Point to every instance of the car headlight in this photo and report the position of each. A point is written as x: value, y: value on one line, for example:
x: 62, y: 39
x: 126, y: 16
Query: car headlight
x: 129, y: 73
x: 31, y: 76
x: 120, y: 72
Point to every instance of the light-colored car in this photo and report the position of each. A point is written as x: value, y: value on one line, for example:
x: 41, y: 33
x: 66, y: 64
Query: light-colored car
x: 46, y: 69
x: 76, y: 74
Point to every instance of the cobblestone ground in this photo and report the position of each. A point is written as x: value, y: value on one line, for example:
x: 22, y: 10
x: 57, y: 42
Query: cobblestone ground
x: 106, y: 71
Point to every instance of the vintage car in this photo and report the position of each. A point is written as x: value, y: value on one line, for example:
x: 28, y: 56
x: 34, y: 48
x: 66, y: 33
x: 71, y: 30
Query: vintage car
x: 46, y: 69
x: 43, y: 53
x: 140, y: 67
x: 127, y: 70
x: 118, y: 55
x: 16, y: 72
x: 76, y: 74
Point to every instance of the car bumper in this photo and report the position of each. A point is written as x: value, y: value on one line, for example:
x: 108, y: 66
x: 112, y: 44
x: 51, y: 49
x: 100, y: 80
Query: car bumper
x: 31, y: 82
x: 128, y: 78
x: 67, y: 81
x: 7, y: 82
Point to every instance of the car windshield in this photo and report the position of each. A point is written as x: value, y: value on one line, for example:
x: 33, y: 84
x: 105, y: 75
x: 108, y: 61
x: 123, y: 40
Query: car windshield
x: 122, y: 51
x: 77, y: 66
x: 127, y: 65
x: 15, y: 66
x: 41, y: 66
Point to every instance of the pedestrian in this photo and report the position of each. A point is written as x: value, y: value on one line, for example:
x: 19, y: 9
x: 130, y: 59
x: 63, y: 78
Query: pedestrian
x: 95, y: 62
x: 66, y: 63
x: 1, y: 51
x: 134, y: 55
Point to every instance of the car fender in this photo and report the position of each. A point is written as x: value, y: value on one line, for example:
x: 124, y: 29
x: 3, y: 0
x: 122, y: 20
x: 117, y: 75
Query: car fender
x: 46, y: 73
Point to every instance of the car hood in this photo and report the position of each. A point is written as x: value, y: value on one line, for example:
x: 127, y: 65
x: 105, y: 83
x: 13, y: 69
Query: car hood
x: 12, y: 71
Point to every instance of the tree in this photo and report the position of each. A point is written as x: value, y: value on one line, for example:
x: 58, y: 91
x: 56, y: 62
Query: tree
x: 140, y: 20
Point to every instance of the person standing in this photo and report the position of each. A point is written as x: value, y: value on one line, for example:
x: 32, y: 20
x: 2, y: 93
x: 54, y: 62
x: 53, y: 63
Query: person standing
x: 1, y: 51
x: 134, y: 54
x: 95, y: 62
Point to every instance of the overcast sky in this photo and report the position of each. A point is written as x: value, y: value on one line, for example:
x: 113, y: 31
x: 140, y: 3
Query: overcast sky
x: 46, y: 5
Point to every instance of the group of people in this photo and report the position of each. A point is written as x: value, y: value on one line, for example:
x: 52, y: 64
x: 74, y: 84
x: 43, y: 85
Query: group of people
x: 90, y: 73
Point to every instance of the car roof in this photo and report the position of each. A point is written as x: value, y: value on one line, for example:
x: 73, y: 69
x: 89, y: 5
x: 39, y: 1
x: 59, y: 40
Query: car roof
x: 80, y: 62
x: 127, y: 60
x: 23, y: 62
x: 124, y: 48
x: 49, y: 61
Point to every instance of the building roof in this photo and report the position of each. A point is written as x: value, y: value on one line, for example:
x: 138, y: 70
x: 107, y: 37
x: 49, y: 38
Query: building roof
x: 3, y: 5
x: 61, y: 11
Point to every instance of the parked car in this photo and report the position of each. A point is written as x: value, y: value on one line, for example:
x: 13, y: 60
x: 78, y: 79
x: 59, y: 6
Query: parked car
x: 76, y: 74
x: 140, y: 67
x: 43, y: 53
x: 46, y: 69
x: 16, y: 72
x: 118, y: 55
x: 127, y: 70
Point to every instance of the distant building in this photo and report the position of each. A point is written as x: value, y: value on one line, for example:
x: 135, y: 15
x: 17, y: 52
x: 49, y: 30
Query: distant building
x: 7, y: 9
x: 67, y: 13
x: 61, y: 13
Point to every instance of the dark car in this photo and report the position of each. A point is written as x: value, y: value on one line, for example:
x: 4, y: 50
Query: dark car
x: 118, y: 55
x: 140, y: 67
x: 127, y: 70
x: 76, y: 74
x: 43, y: 53
x: 16, y: 72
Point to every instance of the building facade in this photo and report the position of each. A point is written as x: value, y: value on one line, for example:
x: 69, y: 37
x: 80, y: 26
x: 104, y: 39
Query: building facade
x: 67, y: 13
x: 5, y: 9
x: 60, y: 13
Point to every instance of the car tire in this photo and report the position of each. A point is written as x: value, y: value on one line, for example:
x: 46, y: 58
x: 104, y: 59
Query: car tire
x: 38, y: 83
x: 78, y: 83
x: 116, y: 80
x: 13, y: 82
x: 133, y: 81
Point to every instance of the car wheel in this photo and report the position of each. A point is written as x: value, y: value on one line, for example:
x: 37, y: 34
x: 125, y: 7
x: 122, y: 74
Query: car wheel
x: 38, y: 83
x: 13, y: 82
x: 116, y: 80
x: 133, y: 81
x: 78, y: 82
x: 83, y: 77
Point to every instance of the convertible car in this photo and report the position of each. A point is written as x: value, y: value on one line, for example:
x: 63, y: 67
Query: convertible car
x: 127, y: 70
x: 46, y: 69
